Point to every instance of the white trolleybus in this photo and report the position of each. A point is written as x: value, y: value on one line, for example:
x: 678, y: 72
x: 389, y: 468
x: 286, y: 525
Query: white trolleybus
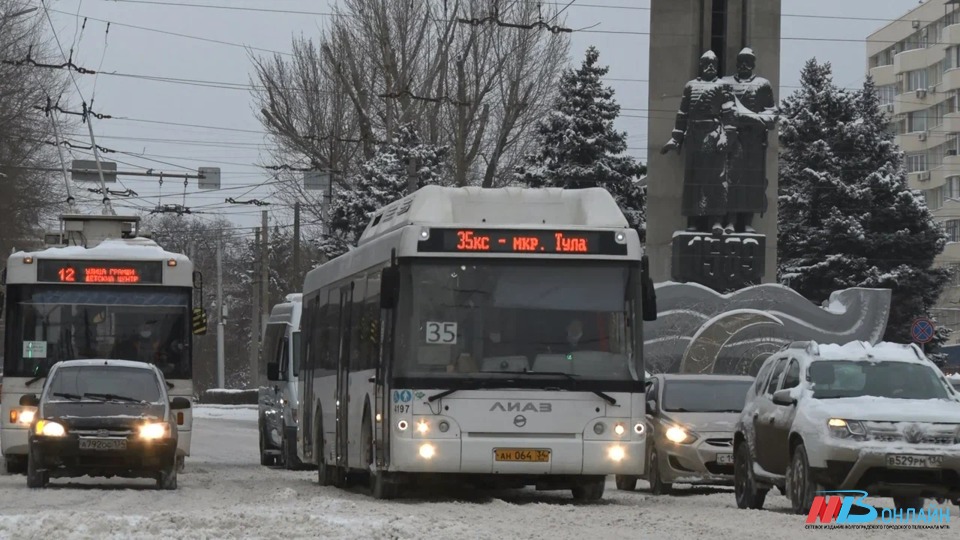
x: 491, y: 337
x: 103, y: 293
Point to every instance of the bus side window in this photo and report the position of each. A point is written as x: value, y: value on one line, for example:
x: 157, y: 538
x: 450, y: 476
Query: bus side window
x: 331, y: 345
x: 370, y: 333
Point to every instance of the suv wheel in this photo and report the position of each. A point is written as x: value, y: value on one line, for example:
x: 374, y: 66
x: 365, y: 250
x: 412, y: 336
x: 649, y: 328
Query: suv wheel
x: 908, y: 503
x: 167, y: 477
x: 626, y: 482
x: 657, y: 485
x: 745, y: 486
x: 801, y: 488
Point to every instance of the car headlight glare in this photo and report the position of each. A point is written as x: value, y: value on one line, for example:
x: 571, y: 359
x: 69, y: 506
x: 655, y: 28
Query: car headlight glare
x: 599, y: 428
x: 423, y: 427
x: 616, y: 453
x: 846, y: 429
x: 679, y: 435
x: 26, y: 416
x: 427, y: 451
x: 50, y: 429
x: 156, y: 430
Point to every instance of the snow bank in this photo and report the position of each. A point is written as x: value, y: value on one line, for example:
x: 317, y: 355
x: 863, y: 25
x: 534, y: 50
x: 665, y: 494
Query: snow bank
x: 223, y: 396
x: 226, y: 412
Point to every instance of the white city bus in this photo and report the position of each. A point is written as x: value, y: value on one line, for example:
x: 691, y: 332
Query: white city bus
x: 486, y: 336
x: 105, y: 293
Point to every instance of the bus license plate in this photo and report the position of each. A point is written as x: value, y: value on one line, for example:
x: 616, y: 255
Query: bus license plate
x: 103, y: 444
x: 530, y: 455
x: 914, y: 462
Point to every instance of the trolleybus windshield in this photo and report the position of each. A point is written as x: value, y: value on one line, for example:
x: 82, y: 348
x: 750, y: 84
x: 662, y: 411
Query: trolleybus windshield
x: 507, y: 318
x: 50, y: 323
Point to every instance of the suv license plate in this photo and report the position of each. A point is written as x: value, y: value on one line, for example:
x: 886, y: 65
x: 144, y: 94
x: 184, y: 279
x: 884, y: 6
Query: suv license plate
x: 103, y: 444
x: 530, y: 455
x: 724, y: 459
x: 914, y: 462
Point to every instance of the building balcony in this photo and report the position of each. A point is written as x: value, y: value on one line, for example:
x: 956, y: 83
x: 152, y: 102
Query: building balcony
x: 912, y: 60
x: 951, y: 35
x: 883, y: 75
x: 919, y: 180
x: 914, y: 101
x: 951, y: 80
x: 951, y: 123
x: 912, y: 143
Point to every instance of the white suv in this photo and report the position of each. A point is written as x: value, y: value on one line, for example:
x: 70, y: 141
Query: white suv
x: 881, y: 419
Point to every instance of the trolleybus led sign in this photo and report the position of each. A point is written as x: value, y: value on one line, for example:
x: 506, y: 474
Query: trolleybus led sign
x: 106, y: 272
x: 526, y: 241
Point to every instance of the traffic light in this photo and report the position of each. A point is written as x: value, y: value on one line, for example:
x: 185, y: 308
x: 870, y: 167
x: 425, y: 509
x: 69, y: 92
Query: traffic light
x: 199, y: 322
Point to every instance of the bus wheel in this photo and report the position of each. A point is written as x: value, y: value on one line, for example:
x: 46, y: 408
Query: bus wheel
x: 589, y: 489
x: 381, y: 486
x: 289, y: 454
x: 15, y: 464
x: 265, y: 459
x: 324, y: 471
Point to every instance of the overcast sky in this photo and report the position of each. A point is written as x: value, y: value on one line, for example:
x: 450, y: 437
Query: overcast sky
x: 831, y: 30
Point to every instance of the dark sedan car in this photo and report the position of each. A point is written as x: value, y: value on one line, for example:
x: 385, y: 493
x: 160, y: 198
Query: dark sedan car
x: 104, y: 418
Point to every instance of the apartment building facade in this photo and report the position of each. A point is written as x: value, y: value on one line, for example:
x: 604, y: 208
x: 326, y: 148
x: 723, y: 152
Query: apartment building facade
x: 915, y: 63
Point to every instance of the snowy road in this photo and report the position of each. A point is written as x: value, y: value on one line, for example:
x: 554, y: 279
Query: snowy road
x: 225, y: 493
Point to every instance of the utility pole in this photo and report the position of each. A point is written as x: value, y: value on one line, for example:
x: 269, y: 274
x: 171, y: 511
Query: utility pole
x: 220, y: 313
x: 255, y: 326
x: 411, y: 175
x: 264, y: 284
x: 296, y: 243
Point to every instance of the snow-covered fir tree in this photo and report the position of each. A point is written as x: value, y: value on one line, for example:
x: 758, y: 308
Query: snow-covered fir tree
x: 381, y: 180
x: 847, y: 216
x: 578, y: 146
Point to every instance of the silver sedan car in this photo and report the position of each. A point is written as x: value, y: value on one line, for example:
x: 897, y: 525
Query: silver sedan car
x: 690, y: 425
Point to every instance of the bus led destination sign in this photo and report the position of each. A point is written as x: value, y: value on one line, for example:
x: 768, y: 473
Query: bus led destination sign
x: 525, y: 241
x: 100, y: 272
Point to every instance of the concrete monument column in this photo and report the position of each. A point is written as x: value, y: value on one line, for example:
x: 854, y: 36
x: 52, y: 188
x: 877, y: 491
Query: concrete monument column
x: 712, y: 195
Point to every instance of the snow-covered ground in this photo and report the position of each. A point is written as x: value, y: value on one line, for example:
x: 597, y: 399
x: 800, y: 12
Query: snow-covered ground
x: 225, y: 493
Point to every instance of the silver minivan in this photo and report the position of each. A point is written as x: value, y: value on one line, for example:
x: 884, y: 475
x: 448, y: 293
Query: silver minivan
x: 278, y: 403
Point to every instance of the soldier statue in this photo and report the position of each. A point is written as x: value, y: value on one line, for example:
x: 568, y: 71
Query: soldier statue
x: 706, y: 125
x: 756, y: 116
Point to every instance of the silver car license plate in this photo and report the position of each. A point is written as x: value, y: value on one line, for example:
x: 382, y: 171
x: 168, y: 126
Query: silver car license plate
x: 103, y: 444
x: 914, y: 462
x: 724, y: 459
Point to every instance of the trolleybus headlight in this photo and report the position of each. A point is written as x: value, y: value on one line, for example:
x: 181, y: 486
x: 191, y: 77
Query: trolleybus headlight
x: 50, y: 429
x: 616, y: 453
x: 639, y: 429
x: 402, y: 425
x: 379, y: 418
x: 25, y: 416
x: 427, y: 451
x: 423, y: 427
x: 599, y: 428
x: 621, y: 237
x: 424, y: 234
x: 619, y: 429
x: 444, y: 426
x: 153, y: 431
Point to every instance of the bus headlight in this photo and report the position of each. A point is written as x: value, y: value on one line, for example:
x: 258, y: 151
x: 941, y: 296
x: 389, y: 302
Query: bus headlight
x: 639, y: 429
x: 599, y: 428
x: 427, y: 451
x: 444, y: 426
x: 50, y: 429
x: 153, y: 431
x: 616, y: 453
x: 25, y: 417
x: 619, y: 429
x: 402, y: 425
x: 423, y: 427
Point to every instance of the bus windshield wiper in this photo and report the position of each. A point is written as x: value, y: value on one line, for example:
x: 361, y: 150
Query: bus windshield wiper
x: 33, y: 380
x: 113, y: 397
x: 606, y: 397
x: 74, y: 397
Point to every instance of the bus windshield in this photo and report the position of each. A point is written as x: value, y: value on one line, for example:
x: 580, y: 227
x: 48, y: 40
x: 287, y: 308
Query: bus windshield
x: 47, y: 324
x: 481, y: 319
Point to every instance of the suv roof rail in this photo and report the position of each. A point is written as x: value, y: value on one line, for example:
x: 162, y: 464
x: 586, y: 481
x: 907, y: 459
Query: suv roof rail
x: 810, y: 347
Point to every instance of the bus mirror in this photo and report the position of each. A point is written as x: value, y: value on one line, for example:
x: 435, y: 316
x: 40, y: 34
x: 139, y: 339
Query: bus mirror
x: 389, y: 287
x: 197, y: 280
x: 273, y: 371
x: 648, y: 291
x: 29, y: 400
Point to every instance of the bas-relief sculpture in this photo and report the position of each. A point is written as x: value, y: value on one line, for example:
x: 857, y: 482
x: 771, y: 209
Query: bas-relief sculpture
x: 722, y: 129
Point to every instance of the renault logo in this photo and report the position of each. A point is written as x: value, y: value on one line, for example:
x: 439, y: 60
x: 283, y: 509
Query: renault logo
x: 913, y: 434
x: 519, y: 420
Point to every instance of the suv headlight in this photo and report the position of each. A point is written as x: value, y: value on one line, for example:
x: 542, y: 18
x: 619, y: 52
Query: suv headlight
x: 49, y: 429
x: 846, y: 429
x: 155, y: 430
x: 678, y: 435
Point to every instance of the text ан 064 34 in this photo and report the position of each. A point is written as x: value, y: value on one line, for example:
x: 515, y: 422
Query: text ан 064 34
x: 532, y: 455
